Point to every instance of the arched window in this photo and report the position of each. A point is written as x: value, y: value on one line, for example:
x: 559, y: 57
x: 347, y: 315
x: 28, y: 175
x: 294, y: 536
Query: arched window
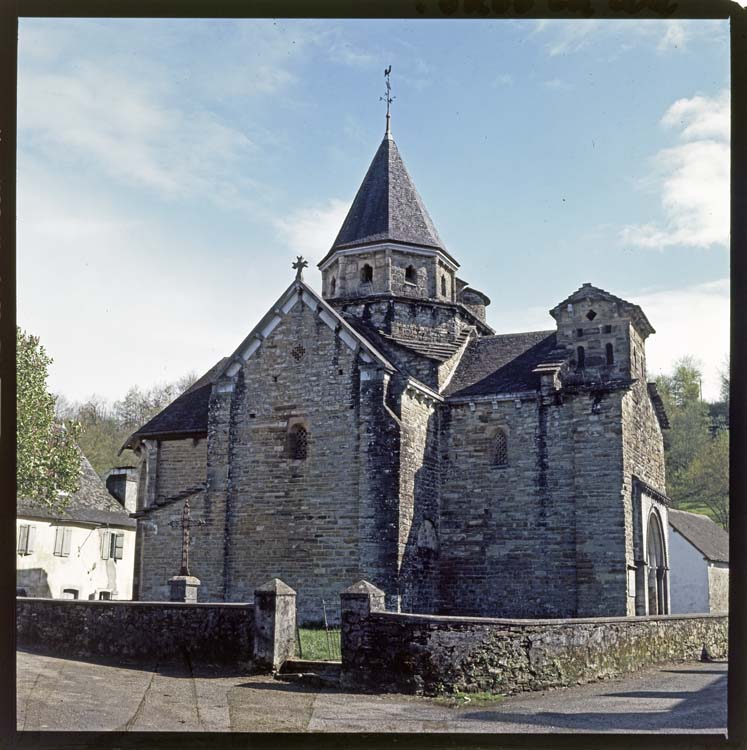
x: 410, y: 274
x: 333, y: 286
x: 366, y: 274
x: 443, y: 286
x: 657, y: 568
x: 610, y: 352
x: 298, y: 442
x: 580, y: 357
x: 500, y: 448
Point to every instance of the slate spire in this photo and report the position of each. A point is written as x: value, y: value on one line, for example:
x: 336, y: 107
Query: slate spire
x: 387, y: 207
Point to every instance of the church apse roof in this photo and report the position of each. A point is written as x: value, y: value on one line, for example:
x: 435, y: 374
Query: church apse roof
x: 185, y: 415
x: 501, y: 364
x: 387, y: 208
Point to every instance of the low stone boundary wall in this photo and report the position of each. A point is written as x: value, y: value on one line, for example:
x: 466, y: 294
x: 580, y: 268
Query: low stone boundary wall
x: 262, y: 633
x: 430, y: 654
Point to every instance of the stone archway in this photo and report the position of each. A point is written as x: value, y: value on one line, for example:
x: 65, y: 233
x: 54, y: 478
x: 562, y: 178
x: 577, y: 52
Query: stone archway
x: 656, y: 566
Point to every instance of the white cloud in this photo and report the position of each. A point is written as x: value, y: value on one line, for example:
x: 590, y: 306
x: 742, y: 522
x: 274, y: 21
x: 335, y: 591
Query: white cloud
x: 693, y: 321
x: 691, y: 178
x: 311, y: 231
x: 101, y: 119
x: 675, y: 37
x: 503, y: 79
x: 567, y: 37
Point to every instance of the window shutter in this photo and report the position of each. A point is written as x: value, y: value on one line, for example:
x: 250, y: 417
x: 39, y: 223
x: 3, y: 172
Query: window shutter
x: 23, y: 537
x: 59, y: 534
x: 30, y: 543
x: 105, y: 545
x: 119, y: 546
x: 67, y: 536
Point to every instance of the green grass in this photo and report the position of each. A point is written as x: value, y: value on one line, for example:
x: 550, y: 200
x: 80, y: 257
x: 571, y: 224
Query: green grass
x: 316, y: 645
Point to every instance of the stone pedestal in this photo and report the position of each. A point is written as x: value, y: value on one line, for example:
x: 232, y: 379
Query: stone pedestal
x: 356, y: 604
x: 274, y: 624
x: 183, y: 588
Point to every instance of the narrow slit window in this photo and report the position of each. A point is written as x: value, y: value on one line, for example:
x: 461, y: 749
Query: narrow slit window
x: 366, y: 274
x: 332, y: 287
x: 410, y: 274
x: 610, y: 354
x: 580, y: 357
x: 443, y: 286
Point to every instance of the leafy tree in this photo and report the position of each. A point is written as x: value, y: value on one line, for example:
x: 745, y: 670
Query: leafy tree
x: 707, y: 478
x: 696, y: 446
x: 106, y: 426
x: 48, y: 459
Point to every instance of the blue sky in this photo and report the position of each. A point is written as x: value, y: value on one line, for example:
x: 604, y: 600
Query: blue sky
x: 169, y: 172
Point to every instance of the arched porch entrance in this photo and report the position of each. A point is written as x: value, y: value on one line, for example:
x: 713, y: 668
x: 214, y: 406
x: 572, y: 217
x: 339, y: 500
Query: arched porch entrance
x: 656, y: 566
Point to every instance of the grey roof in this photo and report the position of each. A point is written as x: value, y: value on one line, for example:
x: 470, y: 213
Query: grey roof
x: 440, y: 350
x: 629, y: 308
x: 387, y: 207
x: 91, y: 503
x: 702, y: 533
x: 501, y: 364
x: 185, y: 415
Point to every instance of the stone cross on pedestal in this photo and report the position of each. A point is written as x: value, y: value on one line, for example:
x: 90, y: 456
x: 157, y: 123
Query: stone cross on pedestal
x: 184, y: 586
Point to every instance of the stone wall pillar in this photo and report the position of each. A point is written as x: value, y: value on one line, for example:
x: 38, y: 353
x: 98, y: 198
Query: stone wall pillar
x: 183, y: 589
x: 356, y: 604
x: 274, y: 624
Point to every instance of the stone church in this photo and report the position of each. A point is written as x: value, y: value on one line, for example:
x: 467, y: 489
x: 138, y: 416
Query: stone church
x: 384, y: 431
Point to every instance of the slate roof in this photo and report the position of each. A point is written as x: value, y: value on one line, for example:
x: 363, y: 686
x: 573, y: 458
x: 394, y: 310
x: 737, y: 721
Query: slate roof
x: 501, y: 364
x: 589, y: 290
x: 437, y: 350
x: 92, y: 503
x: 387, y: 207
x: 705, y: 535
x: 658, y: 404
x: 185, y: 415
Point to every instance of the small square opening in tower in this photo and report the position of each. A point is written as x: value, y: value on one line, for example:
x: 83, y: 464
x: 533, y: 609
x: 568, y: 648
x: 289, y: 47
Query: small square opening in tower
x: 591, y: 315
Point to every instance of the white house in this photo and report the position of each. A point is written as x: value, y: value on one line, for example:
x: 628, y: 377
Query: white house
x: 86, y: 551
x: 699, y: 564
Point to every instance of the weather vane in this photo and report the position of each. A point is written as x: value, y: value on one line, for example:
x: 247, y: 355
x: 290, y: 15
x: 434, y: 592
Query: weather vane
x: 299, y: 265
x: 388, y: 98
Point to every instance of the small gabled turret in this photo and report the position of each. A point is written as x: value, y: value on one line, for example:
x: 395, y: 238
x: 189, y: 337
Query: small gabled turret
x: 603, y: 335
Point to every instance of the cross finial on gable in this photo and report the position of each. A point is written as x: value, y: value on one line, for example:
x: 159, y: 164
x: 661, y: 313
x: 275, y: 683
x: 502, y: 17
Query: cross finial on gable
x: 299, y: 265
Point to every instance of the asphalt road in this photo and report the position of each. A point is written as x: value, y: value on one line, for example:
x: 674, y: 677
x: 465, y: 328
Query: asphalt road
x: 68, y: 695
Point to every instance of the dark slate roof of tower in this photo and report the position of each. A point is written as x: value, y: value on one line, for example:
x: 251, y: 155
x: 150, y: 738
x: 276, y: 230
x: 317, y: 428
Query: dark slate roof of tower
x: 387, y: 207
x: 702, y: 533
x: 90, y: 503
x: 501, y: 364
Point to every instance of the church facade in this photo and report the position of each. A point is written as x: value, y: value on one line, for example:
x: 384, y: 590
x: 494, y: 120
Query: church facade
x: 382, y: 430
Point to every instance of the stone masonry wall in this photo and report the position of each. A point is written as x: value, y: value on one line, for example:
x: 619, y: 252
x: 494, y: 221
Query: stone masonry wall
x: 643, y: 457
x: 299, y: 520
x: 181, y: 466
x: 600, y: 521
x: 137, y: 631
x: 429, y: 655
x: 177, y: 466
x: 418, y: 506
x: 508, y: 532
